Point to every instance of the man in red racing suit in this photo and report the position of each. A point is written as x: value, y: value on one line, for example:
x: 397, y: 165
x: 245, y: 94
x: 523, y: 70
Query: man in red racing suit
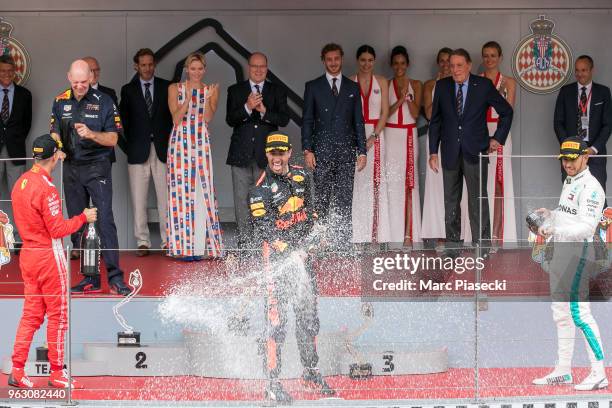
x: 283, y: 221
x: 38, y: 216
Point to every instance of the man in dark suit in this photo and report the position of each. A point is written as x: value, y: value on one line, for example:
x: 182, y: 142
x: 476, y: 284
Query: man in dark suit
x: 255, y: 108
x: 95, y: 82
x: 15, y: 122
x: 583, y: 109
x: 147, y: 124
x: 459, y: 125
x: 333, y: 135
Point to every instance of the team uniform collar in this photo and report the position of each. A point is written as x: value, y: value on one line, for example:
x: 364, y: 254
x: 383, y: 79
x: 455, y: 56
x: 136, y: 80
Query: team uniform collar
x: 88, y: 95
x: 39, y: 170
x: 269, y: 172
x: 572, y: 179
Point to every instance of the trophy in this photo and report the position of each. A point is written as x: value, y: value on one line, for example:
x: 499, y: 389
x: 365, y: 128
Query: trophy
x: 128, y: 337
x: 605, y: 232
x: 534, y: 221
x: 602, y: 239
x: 542, y: 249
x: 360, y: 369
x: 7, y: 240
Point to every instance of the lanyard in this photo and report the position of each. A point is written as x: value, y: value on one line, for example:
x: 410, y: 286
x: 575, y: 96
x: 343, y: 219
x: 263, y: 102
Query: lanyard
x: 584, y: 107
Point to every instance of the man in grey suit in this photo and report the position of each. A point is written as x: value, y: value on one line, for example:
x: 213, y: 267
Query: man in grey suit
x: 334, y: 142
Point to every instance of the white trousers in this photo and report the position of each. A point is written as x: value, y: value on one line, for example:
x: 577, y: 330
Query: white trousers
x: 140, y: 174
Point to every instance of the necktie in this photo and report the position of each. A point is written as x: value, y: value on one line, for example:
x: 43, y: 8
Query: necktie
x: 4, y: 113
x: 334, y: 87
x: 460, y: 100
x: 582, y: 133
x: 255, y: 114
x: 148, y: 98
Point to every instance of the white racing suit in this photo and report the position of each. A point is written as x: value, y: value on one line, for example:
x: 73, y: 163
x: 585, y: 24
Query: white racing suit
x: 573, y: 225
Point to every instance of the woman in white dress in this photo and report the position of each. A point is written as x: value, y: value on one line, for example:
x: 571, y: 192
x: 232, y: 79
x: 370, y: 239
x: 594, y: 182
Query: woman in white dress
x: 401, y: 152
x: 500, y: 186
x: 370, y: 222
x: 432, y: 226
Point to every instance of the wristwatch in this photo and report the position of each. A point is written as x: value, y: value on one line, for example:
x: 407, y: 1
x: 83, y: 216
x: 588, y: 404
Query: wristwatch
x: 374, y: 135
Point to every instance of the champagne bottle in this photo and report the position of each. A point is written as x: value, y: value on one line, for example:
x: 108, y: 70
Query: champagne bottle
x: 67, y: 137
x: 90, y: 245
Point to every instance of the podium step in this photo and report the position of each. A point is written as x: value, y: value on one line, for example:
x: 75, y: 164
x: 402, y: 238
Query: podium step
x: 102, y: 359
x: 238, y: 357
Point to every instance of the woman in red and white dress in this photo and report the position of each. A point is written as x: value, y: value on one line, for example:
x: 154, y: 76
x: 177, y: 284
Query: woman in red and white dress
x: 500, y: 186
x: 401, y: 152
x: 370, y: 222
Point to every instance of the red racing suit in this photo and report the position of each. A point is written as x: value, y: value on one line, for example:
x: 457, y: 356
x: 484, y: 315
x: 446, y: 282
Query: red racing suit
x: 37, y: 209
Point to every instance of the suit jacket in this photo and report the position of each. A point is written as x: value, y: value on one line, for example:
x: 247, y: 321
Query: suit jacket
x: 110, y: 92
x: 250, y: 131
x: 600, y: 115
x: 138, y: 127
x: 13, y: 134
x: 120, y: 141
x: 466, y: 135
x: 333, y: 128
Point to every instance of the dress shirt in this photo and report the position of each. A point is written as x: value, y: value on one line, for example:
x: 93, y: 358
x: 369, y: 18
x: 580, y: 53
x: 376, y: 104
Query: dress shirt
x: 464, y: 89
x: 331, y: 82
x: 11, y: 95
x: 254, y: 90
x: 143, y: 87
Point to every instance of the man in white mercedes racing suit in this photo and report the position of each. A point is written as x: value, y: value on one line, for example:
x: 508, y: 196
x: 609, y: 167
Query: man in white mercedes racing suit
x: 571, y: 226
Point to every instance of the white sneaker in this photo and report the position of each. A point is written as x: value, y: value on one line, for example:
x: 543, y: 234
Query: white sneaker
x: 595, y: 381
x: 556, y: 377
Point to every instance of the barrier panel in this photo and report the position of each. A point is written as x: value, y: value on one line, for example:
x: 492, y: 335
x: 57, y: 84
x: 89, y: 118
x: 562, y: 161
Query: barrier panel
x: 430, y: 324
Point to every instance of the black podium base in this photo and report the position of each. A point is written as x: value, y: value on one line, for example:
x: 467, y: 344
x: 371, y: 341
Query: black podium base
x: 125, y: 339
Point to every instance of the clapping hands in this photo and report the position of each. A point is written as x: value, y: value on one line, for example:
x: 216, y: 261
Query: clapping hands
x: 255, y: 102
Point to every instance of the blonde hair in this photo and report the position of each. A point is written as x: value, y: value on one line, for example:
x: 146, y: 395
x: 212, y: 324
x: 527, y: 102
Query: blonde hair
x: 195, y: 56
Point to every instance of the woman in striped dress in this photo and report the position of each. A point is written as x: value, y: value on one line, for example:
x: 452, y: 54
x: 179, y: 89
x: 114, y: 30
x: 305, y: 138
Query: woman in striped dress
x: 401, y: 152
x: 370, y: 224
x: 500, y: 187
x: 193, y: 224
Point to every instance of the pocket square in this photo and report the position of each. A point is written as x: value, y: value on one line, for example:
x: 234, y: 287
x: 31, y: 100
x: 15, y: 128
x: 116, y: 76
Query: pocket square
x: 598, y: 103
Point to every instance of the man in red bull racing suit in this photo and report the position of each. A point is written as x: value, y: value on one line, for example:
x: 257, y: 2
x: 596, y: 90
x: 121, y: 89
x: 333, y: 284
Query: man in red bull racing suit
x: 38, y: 216
x: 283, y: 219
